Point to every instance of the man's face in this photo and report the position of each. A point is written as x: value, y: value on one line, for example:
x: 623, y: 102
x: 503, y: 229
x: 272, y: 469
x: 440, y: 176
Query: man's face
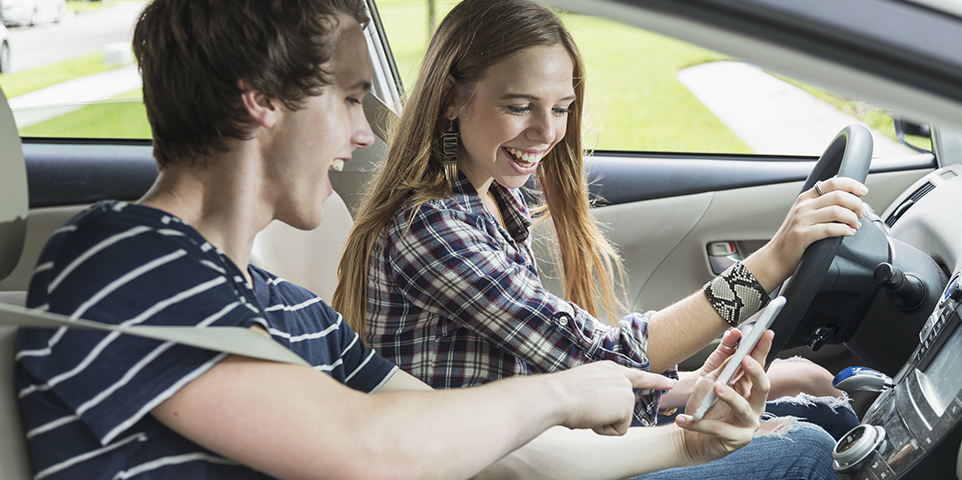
x: 328, y: 128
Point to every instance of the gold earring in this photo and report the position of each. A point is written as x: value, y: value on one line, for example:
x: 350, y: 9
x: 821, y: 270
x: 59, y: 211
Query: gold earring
x: 449, y: 149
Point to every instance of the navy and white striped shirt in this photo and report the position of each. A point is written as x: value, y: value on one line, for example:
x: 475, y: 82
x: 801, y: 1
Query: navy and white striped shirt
x: 85, y: 396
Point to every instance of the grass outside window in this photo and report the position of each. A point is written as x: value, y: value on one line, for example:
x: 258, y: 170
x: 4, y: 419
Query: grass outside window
x: 636, y: 105
x: 123, y: 116
x: 16, y: 84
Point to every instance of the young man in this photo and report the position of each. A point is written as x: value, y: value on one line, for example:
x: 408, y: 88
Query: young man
x: 251, y: 101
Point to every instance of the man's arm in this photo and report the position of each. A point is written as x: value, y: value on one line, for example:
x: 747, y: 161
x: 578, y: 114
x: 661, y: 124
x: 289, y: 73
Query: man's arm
x: 292, y: 422
x: 561, y: 453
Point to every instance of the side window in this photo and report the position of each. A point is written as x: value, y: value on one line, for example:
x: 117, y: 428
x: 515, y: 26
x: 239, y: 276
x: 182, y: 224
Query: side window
x: 70, y: 70
x: 650, y: 93
x: 406, y: 24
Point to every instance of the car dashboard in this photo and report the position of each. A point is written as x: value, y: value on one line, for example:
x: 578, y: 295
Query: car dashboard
x: 914, y: 427
x: 926, y: 217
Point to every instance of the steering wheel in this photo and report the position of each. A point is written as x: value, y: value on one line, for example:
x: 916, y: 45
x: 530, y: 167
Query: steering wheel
x: 849, y: 155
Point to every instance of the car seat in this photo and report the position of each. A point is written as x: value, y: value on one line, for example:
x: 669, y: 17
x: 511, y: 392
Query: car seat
x: 310, y: 258
x: 14, y: 203
x: 306, y: 258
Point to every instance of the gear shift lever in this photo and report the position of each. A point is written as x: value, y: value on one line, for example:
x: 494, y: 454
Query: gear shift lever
x: 863, y: 385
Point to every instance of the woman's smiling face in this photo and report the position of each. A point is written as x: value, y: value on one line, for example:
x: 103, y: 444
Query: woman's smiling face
x: 515, y: 115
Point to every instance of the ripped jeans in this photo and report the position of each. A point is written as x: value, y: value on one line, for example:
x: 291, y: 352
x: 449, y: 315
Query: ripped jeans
x: 833, y: 415
x: 800, y: 451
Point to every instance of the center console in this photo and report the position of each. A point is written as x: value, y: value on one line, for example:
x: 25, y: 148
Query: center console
x: 913, y: 430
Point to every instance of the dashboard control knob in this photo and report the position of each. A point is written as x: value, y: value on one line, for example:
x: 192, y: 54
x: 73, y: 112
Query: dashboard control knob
x: 820, y: 336
x: 905, y: 289
x: 854, y: 447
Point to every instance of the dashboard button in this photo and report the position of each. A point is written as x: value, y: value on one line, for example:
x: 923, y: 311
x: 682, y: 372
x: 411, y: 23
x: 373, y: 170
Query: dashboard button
x: 954, y: 409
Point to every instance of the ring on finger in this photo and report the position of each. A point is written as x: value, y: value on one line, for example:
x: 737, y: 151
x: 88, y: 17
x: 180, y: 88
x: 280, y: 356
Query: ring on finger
x: 818, y: 189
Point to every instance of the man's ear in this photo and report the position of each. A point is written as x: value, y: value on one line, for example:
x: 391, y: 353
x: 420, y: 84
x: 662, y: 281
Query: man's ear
x: 258, y: 106
x: 452, y: 98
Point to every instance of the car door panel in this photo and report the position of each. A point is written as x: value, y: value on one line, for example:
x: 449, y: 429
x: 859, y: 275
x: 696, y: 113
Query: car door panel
x: 664, y: 240
x: 741, y: 215
x: 75, y: 172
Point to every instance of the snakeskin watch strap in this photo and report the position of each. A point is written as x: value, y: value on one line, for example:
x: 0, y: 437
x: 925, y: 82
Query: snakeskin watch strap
x: 736, y: 294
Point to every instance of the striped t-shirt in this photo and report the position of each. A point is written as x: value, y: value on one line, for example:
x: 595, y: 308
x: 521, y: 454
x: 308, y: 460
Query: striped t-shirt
x: 85, y: 396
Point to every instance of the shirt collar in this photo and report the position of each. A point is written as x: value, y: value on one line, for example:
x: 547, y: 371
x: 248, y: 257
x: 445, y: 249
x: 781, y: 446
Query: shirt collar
x: 512, y: 206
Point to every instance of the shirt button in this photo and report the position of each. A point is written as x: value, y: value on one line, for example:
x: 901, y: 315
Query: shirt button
x: 563, y: 321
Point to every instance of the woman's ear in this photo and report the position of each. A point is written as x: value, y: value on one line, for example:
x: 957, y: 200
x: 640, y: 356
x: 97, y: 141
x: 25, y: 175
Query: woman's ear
x: 258, y: 106
x: 452, y: 97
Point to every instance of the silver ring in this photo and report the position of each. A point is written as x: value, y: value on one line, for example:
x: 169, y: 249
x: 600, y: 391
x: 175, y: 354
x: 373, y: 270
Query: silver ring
x: 818, y: 190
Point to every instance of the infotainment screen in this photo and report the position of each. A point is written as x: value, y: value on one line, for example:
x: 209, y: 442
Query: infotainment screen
x: 943, y: 378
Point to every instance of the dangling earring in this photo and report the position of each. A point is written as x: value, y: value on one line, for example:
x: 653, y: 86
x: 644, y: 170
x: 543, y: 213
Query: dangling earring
x: 449, y: 149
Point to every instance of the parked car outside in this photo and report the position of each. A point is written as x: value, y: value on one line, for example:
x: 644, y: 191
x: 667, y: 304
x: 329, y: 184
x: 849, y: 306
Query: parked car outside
x: 32, y: 12
x: 4, y: 50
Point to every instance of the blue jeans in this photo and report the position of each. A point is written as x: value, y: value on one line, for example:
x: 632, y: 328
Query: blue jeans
x: 805, y: 452
x: 836, y: 420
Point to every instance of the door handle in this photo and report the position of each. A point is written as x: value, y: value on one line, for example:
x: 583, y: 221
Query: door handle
x: 722, y: 255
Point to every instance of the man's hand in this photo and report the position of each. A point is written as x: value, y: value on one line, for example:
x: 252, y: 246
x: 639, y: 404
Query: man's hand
x: 600, y: 395
x: 733, y: 420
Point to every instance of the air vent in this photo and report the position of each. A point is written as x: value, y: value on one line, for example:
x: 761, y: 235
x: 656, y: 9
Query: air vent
x: 905, y: 205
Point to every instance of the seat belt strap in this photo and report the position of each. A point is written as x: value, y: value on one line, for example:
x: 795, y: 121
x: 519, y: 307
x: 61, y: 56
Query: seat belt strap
x: 233, y: 340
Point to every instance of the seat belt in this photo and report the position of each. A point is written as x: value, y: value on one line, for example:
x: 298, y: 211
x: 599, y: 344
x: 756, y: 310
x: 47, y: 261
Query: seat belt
x: 234, y: 340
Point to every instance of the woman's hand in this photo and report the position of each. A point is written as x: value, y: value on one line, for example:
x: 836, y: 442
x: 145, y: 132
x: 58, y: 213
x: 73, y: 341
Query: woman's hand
x: 732, y: 421
x: 836, y: 212
x: 678, y: 396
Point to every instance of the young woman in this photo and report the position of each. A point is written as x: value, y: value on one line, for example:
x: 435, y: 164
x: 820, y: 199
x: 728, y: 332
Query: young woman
x: 438, y: 274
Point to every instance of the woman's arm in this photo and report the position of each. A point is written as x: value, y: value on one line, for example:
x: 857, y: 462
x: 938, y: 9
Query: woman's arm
x: 680, y: 330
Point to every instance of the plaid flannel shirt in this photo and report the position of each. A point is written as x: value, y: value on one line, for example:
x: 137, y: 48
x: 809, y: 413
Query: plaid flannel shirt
x: 455, y: 300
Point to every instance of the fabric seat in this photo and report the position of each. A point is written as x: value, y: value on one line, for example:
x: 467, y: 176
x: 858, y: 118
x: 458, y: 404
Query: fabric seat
x: 14, y: 203
x: 14, y: 459
x: 306, y: 258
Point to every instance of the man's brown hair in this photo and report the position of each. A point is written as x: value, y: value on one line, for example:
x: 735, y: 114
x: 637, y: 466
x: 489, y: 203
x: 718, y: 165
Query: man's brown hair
x: 193, y: 53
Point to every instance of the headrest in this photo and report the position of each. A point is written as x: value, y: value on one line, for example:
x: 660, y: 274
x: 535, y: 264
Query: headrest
x: 14, y: 201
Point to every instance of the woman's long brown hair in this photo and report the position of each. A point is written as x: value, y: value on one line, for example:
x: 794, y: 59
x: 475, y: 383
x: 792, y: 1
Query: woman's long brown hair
x: 475, y: 35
